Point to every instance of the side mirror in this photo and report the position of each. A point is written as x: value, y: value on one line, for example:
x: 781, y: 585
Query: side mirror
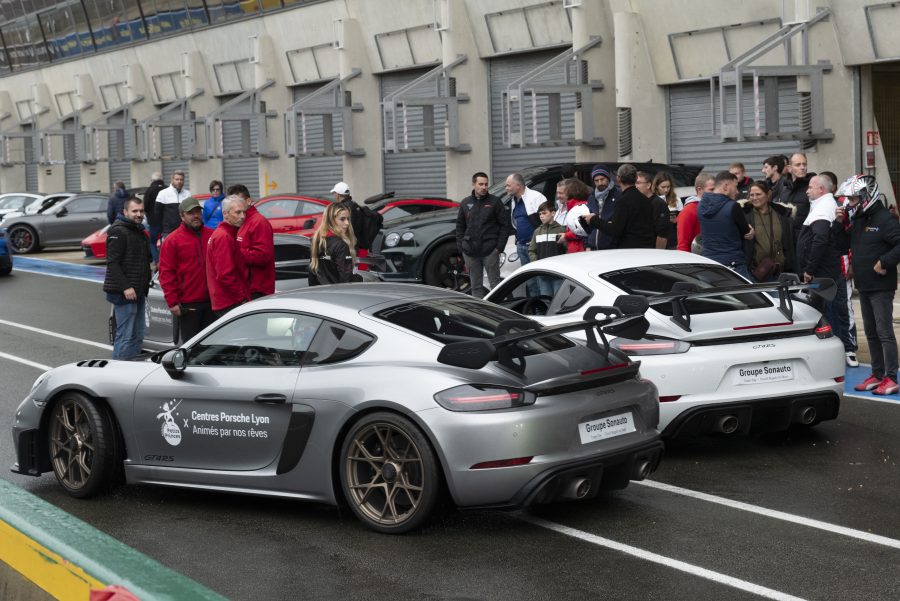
x: 174, y: 362
x: 309, y: 223
x: 62, y: 212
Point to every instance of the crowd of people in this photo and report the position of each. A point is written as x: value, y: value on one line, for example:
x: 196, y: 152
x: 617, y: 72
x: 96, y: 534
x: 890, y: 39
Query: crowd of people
x: 218, y: 255
x: 211, y: 257
x: 789, y: 221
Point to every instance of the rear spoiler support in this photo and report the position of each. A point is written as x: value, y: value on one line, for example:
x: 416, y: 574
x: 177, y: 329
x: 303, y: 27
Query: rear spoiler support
x: 625, y: 318
x: 787, y: 283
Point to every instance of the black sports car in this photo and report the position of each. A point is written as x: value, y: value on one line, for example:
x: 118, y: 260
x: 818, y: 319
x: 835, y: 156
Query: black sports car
x: 422, y: 248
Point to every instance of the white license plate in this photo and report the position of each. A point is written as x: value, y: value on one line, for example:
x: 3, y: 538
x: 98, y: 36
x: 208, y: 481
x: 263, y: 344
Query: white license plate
x: 758, y: 373
x: 606, y: 427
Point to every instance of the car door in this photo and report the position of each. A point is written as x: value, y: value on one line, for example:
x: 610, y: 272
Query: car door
x: 231, y: 408
x: 75, y: 220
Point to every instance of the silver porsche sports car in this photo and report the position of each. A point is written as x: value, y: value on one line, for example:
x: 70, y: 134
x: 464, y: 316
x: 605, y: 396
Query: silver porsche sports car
x: 385, y: 397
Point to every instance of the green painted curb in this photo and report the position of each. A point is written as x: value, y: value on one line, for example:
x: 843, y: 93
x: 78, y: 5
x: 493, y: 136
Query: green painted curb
x: 100, y: 555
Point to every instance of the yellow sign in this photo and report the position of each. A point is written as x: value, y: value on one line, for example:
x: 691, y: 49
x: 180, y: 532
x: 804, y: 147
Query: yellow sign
x: 269, y: 185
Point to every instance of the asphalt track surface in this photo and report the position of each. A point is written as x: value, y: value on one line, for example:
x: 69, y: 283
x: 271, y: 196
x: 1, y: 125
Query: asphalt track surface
x: 811, y: 514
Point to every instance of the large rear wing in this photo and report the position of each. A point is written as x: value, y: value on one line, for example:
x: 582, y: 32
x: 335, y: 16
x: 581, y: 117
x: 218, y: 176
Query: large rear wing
x: 787, y: 284
x: 624, y: 319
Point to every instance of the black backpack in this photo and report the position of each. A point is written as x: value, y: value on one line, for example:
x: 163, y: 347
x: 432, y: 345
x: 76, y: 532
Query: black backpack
x: 370, y: 225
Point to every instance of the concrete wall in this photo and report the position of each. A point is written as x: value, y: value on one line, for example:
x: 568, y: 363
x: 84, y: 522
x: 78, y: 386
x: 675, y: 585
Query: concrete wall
x: 635, y: 61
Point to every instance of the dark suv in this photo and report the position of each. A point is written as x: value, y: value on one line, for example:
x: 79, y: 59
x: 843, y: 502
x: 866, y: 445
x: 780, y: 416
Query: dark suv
x: 422, y: 248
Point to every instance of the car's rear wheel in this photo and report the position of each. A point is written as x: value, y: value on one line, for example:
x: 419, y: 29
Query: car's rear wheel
x: 23, y: 239
x: 84, y: 448
x: 445, y: 268
x: 389, y: 474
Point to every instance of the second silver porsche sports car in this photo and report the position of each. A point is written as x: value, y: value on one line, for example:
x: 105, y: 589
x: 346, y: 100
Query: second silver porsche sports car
x: 383, y: 396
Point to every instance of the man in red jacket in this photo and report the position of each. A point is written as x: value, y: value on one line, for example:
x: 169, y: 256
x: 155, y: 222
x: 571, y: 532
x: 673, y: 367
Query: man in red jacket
x: 182, y: 271
x: 257, y: 242
x: 226, y: 273
x: 688, y: 223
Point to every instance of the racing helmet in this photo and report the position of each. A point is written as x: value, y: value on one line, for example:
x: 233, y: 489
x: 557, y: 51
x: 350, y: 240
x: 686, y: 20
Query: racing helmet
x: 572, y: 221
x: 863, y: 186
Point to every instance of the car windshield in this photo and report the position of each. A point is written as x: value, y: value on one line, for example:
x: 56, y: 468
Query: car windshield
x: 13, y: 202
x: 456, y: 320
x: 652, y: 280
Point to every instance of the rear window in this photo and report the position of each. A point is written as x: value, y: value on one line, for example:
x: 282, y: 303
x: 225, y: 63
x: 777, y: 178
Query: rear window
x: 457, y: 320
x: 659, y: 279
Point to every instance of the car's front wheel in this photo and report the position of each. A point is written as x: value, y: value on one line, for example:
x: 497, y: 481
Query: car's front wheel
x: 23, y: 239
x: 84, y: 448
x: 445, y: 268
x: 389, y: 474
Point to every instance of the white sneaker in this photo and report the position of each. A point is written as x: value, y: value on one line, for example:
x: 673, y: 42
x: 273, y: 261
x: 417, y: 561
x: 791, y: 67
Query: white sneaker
x: 851, y: 359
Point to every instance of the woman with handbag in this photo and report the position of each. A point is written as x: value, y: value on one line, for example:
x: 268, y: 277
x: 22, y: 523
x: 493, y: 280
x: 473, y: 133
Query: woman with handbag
x: 332, y: 250
x: 771, y: 252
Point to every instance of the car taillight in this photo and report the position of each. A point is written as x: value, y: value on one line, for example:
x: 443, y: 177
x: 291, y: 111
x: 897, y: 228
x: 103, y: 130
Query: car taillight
x: 646, y: 346
x: 472, y: 397
x: 823, y: 329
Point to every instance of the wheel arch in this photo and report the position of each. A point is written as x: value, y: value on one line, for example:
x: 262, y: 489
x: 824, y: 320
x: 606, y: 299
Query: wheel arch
x: 376, y: 407
x: 44, y: 428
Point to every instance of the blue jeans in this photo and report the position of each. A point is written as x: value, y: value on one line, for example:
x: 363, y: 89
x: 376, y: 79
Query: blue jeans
x: 524, y: 259
x: 130, y: 328
x: 548, y: 286
x: 838, y: 316
x: 155, y: 231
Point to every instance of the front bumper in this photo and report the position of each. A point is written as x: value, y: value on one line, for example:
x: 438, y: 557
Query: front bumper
x: 30, y: 460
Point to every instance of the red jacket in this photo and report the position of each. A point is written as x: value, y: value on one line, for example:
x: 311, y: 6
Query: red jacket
x: 182, y: 266
x: 688, y: 225
x: 226, y: 273
x: 257, y: 243
x: 574, y: 242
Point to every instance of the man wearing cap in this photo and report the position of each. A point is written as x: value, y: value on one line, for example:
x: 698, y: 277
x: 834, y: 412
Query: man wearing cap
x: 602, y: 202
x: 256, y: 239
x: 182, y: 271
x: 226, y: 273
x: 342, y: 196
x: 524, y: 217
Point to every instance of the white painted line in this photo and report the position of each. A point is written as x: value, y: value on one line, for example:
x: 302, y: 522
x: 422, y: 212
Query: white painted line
x: 662, y: 560
x: 771, y: 513
x: 892, y: 399
x: 57, y: 275
x: 40, y: 366
x: 55, y: 335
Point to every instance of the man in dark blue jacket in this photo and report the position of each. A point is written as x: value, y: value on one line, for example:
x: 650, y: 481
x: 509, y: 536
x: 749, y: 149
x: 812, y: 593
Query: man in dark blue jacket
x: 723, y: 225
x: 602, y: 202
x: 874, y: 238
x: 116, y: 202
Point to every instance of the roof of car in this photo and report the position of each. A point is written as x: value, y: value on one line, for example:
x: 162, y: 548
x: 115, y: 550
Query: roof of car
x: 357, y: 297
x: 576, y: 264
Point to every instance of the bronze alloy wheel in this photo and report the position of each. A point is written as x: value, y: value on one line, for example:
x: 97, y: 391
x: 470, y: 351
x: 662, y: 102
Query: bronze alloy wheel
x: 389, y: 473
x: 83, y: 449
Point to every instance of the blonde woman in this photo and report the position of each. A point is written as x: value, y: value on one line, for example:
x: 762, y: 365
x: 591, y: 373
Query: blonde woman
x: 333, y: 253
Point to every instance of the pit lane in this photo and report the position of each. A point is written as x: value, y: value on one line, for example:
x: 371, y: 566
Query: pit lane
x: 842, y: 473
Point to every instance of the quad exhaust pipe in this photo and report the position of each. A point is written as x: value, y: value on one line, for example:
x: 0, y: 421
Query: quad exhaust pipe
x: 578, y: 488
x: 806, y: 415
x: 727, y: 424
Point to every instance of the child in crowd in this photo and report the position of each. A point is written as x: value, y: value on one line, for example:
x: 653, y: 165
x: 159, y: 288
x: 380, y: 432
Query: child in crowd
x: 548, y: 241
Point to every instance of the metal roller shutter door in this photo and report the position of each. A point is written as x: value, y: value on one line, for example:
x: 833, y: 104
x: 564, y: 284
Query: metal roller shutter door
x: 119, y: 169
x: 72, y: 168
x: 316, y: 175
x: 506, y: 160
x: 240, y: 170
x: 167, y: 148
x: 692, y: 141
x: 414, y: 173
x: 31, y: 168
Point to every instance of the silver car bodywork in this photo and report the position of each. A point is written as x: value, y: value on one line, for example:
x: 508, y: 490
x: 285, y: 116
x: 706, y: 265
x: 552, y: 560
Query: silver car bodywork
x: 63, y: 224
x: 269, y: 424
